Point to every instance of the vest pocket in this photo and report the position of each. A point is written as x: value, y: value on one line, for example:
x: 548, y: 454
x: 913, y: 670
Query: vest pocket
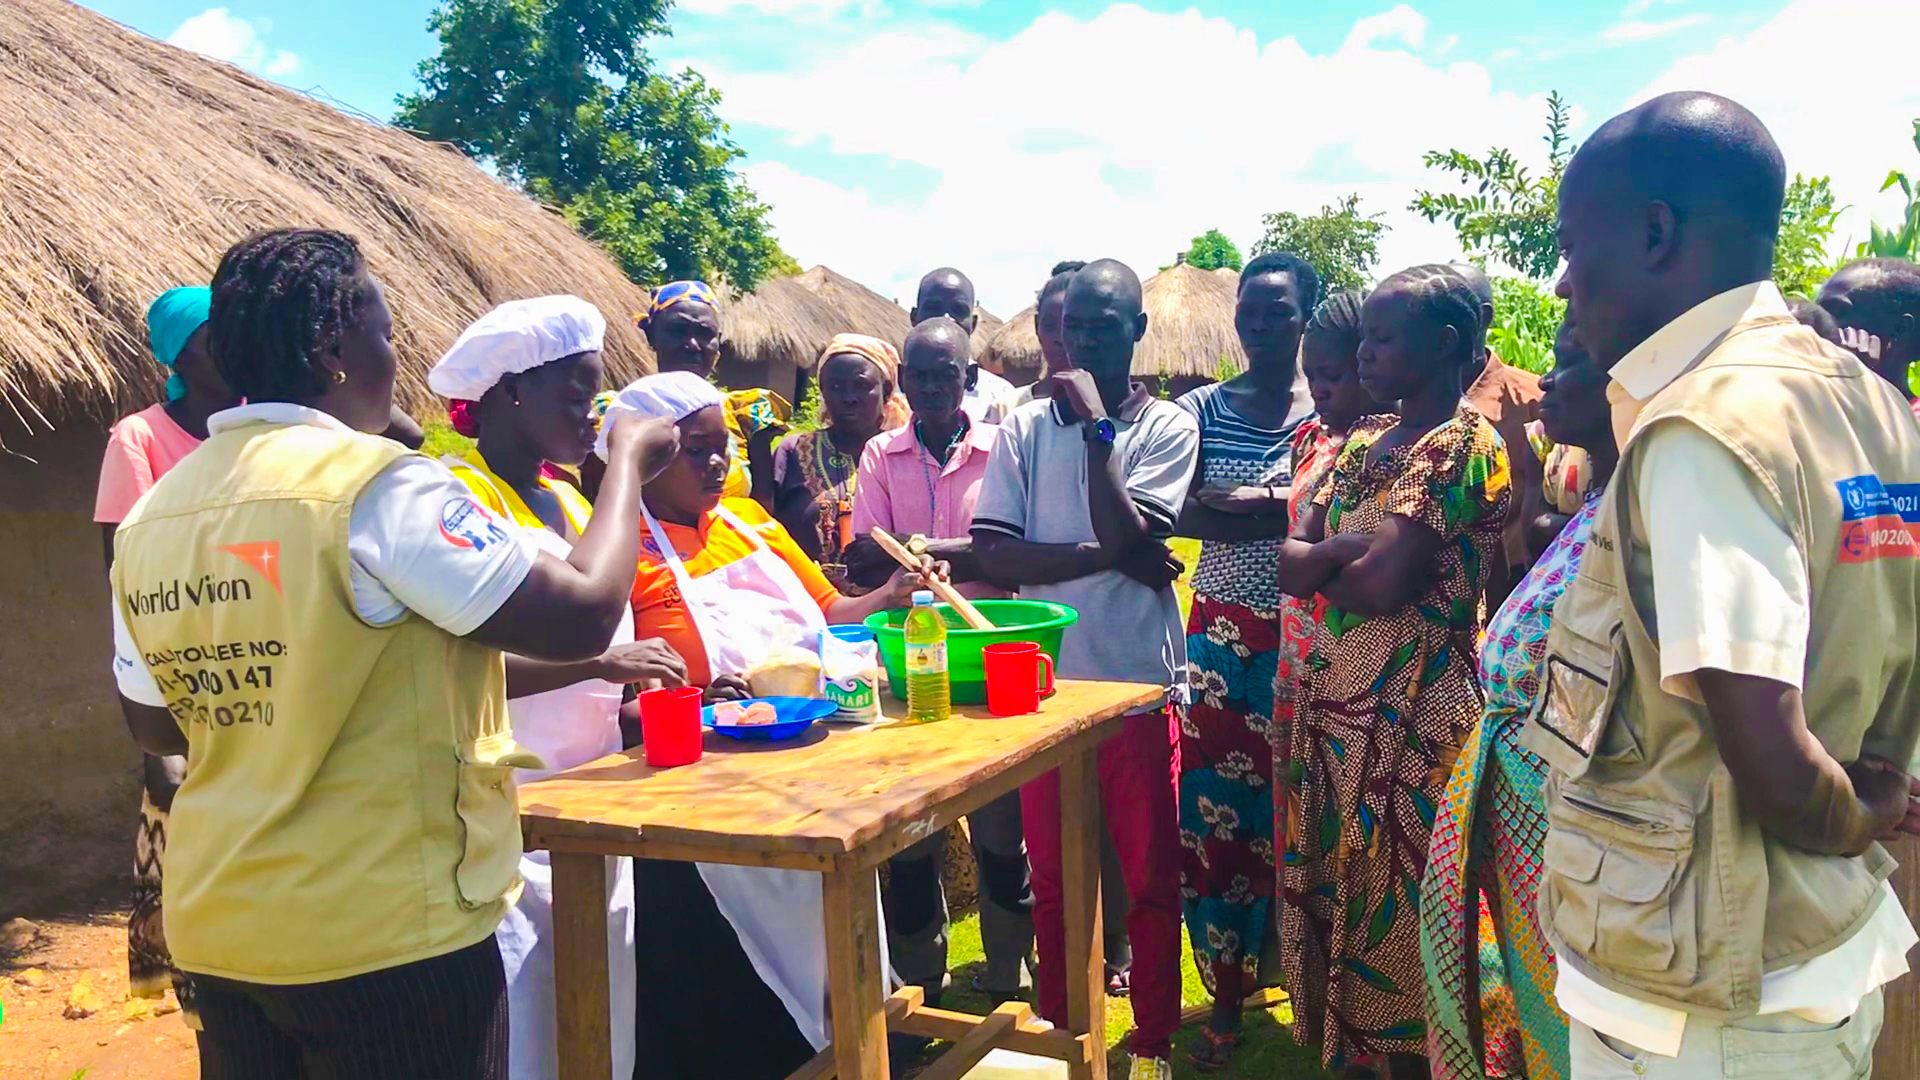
x: 1617, y: 884
x: 1585, y: 670
x: 489, y: 809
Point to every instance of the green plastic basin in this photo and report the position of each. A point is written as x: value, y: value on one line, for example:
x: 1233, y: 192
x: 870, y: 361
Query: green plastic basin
x: 1014, y: 620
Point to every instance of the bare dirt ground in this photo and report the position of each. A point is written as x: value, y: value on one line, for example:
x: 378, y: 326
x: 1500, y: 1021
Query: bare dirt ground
x: 78, y: 965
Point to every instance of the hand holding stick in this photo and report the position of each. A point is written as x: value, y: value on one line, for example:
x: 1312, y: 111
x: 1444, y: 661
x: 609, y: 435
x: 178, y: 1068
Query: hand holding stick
x: 939, y: 585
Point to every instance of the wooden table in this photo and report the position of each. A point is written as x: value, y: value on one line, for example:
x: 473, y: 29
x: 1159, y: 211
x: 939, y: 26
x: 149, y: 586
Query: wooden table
x: 839, y: 802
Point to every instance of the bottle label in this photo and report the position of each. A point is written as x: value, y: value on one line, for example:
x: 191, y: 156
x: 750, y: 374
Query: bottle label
x: 927, y: 659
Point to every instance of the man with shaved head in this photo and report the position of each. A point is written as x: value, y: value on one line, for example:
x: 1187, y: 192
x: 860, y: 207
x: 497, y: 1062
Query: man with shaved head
x: 925, y: 479
x: 1510, y: 400
x: 948, y: 292
x: 1081, y: 494
x: 1730, y: 697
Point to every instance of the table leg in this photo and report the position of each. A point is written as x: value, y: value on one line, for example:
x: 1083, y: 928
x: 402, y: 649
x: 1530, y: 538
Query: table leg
x: 1080, y: 888
x: 851, y: 905
x: 580, y: 974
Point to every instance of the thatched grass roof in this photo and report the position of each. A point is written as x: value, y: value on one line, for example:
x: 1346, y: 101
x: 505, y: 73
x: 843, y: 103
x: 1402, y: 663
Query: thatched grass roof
x: 866, y: 311
x: 986, y: 324
x: 1229, y: 273
x: 1015, y: 344
x: 132, y: 165
x: 1189, y: 325
x: 782, y: 321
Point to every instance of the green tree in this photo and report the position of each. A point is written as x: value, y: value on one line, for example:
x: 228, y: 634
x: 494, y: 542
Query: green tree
x: 560, y: 96
x: 1800, y: 260
x: 1526, y: 319
x: 1902, y: 241
x: 1339, y: 242
x: 1212, y: 250
x: 1510, y: 214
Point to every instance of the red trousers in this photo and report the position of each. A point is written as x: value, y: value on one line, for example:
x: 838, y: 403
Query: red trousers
x: 1138, y: 772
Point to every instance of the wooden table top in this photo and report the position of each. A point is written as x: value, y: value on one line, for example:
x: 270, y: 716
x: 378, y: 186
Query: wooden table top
x: 818, y: 798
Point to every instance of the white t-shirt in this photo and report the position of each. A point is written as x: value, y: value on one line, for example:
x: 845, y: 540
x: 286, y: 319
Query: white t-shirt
x: 1732, y: 595
x: 983, y: 397
x: 401, y: 562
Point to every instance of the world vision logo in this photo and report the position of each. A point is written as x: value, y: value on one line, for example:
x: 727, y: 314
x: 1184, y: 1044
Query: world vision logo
x: 262, y: 555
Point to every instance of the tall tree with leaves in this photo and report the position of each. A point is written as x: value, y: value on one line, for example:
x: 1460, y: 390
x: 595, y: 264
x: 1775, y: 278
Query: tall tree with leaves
x: 560, y: 96
x: 1510, y: 213
x: 1800, y: 261
x: 1339, y: 242
x: 1212, y: 250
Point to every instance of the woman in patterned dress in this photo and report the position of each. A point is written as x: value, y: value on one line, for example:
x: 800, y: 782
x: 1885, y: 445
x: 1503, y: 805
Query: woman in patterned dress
x: 813, y: 472
x: 1226, y: 760
x: 1483, y: 868
x: 1399, y: 541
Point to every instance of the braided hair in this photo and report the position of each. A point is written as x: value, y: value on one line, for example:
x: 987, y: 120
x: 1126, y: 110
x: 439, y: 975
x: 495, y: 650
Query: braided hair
x: 1441, y: 297
x: 1305, y: 278
x: 281, y: 301
x: 1338, y: 317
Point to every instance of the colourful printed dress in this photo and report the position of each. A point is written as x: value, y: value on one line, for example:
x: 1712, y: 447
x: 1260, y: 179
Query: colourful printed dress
x: 1314, y: 448
x: 1385, y: 704
x: 1226, y: 753
x: 813, y: 497
x: 1483, y: 869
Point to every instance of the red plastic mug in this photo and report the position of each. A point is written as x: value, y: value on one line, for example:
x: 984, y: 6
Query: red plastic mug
x: 670, y: 726
x: 1018, y: 676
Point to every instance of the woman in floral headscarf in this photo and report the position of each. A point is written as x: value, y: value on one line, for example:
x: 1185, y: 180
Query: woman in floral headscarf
x: 813, y: 473
x: 682, y: 325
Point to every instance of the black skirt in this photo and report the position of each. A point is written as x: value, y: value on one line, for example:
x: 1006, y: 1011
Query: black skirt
x: 703, y: 1011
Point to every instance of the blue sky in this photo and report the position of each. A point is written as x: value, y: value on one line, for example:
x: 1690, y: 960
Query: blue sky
x: 998, y: 136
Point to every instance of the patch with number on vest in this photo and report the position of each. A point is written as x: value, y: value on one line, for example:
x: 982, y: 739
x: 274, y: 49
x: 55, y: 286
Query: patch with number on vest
x: 1878, y: 521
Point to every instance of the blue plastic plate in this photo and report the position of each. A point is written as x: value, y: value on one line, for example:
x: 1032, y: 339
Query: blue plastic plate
x: 792, y: 716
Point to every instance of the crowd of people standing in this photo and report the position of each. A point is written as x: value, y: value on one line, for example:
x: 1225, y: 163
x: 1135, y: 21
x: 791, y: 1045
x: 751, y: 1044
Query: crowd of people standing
x: 1518, y: 726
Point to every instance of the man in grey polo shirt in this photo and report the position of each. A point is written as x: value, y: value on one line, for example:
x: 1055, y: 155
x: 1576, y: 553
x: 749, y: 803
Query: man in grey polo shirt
x: 1080, y: 495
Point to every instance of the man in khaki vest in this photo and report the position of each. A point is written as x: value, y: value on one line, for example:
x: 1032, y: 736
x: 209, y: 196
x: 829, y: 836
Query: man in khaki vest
x: 1732, y: 673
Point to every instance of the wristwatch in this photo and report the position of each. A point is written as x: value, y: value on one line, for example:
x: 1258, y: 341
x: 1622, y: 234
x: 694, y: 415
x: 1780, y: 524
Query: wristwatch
x: 1100, y: 431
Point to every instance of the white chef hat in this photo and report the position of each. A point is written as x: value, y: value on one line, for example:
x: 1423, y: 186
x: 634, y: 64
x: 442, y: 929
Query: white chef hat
x: 517, y: 336
x: 672, y: 395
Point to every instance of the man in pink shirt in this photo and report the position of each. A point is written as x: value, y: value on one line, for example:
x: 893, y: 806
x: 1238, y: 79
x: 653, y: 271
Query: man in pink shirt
x: 924, y: 478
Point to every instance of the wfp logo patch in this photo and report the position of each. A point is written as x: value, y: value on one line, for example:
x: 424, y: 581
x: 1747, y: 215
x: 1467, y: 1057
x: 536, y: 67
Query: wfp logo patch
x: 1878, y: 521
x: 465, y: 523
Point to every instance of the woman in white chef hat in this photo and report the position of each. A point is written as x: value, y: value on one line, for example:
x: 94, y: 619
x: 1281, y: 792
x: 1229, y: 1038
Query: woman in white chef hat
x: 522, y: 381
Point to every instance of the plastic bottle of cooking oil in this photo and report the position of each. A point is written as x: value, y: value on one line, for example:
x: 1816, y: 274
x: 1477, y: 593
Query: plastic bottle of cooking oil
x: 927, y: 688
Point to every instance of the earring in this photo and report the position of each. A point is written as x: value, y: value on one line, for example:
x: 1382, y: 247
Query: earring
x: 339, y: 378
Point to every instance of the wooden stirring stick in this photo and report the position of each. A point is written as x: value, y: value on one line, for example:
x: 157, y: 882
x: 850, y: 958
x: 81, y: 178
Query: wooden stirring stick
x: 939, y: 585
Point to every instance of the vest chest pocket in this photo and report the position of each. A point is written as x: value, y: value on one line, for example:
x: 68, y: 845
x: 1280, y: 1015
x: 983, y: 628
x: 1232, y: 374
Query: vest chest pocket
x: 1618, y: 891
x: 488, y: 805
x: 1585, y: 671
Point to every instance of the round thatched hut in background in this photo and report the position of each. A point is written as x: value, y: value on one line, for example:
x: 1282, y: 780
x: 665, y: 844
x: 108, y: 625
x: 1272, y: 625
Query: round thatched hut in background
x: 985, y: 325
x: 1014, y: 350
x: 772, y: 334
x: 1190, y: 336
x: 131, y: 166
x: 866, y: 311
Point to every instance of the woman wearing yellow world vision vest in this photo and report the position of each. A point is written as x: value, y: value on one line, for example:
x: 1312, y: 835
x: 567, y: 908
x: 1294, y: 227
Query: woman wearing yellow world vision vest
x: 316, y: 618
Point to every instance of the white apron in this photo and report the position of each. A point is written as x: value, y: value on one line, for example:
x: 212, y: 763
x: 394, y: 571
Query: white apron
x: 568, y: 726
x: 742, y: 610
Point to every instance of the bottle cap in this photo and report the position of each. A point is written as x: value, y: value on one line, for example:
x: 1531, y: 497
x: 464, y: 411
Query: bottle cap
x: 923, y: 598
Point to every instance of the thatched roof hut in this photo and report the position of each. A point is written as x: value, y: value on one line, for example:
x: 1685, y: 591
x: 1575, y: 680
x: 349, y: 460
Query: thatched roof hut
x: 1014, y: 349
x: 866, y: 311
x: 1189, y: 326
x: 132, y: 165
x: 1229, y: 273
x: 772, y: 334
x: 985, y: 325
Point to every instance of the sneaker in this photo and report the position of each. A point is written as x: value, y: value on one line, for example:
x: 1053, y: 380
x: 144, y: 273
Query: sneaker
x: 1150, y: 1068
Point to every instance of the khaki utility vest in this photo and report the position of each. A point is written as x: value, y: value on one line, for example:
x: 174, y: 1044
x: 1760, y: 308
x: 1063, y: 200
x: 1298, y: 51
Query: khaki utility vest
x: 349, y: 802
x: 1657, y: 885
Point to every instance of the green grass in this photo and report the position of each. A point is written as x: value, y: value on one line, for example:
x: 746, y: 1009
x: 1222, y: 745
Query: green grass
x: 1265, y: 1050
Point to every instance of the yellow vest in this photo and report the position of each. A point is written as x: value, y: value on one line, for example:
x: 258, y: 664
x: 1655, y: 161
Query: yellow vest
x: 349, y: 802
x: 1657, y: 884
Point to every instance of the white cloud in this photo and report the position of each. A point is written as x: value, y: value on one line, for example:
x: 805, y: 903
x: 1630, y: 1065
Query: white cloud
x: 218, y: 33
x: 1630, y: 31
x: 1641, y: 7
x: 1269, y: 127
x: 1854, y: 132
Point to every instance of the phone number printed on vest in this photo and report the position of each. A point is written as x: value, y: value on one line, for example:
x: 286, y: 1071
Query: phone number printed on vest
x: 1878, y: 521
